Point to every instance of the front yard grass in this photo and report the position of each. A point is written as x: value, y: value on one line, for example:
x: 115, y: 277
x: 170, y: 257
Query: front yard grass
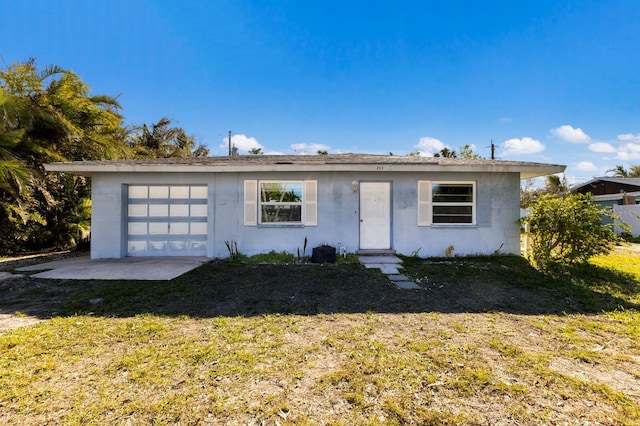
x: 487, y: 340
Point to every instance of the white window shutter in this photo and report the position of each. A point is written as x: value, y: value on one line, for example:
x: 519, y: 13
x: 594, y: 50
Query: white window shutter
x: 310, y: 203
x: 250, y: 202
x: 424, y: 203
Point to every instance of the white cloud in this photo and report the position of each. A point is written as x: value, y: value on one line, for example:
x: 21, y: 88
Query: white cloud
x: 427, y: 146
x: 569, y: 134
x: 586, y: 166
x: 242, y: 142
x: 522, y: 146
x: 601, y: 147
x: 629, y: 151
x: 629, y: 137
x: 309, y: 148
x: 505, y: 119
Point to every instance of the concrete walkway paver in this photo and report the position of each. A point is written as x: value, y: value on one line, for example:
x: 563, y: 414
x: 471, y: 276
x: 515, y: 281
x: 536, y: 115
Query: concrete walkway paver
x: 390, y: 266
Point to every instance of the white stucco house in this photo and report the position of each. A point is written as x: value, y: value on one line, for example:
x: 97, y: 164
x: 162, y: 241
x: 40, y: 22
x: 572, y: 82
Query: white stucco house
x: 191, y: 207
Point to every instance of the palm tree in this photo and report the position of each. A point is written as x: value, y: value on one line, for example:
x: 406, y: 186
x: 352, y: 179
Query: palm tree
x: 620, y: 171
x: 43, y: 119
x: 164, y: 141
x: 555, y: 185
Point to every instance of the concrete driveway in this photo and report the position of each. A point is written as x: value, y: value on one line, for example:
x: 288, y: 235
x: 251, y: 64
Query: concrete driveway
x: 128, y: 268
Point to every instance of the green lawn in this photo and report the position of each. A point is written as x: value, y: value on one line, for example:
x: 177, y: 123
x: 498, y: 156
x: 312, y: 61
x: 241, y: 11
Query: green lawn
x: 487, y: 340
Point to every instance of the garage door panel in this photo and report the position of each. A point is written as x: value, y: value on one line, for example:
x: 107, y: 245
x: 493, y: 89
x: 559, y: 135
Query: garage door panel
x: 169, y: 220
x: 198, y: 192
x: 159, y: 192
x: 158, y: 210
x: 198, y: 228
x: 199, y: 210
x: 177, y: 210
x: 179, y: 228
x: 137, y: 228
x: 179, y: 192
x: 138, y: 191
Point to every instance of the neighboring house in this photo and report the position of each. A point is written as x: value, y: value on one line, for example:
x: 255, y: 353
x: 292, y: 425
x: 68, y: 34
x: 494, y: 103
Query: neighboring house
x: 192, y: 207
x: 621, y: 194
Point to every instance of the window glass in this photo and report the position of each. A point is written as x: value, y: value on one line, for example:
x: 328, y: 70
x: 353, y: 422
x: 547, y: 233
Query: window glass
x: 278, y: 192
x: 452, y: 193
x: 281, y: 202
x: 452, y: 214
x: 452, y: 203
x: 281, y: 213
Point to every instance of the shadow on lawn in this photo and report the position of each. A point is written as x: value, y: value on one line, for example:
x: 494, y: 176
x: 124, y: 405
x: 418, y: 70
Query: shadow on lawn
x: 505, y: 284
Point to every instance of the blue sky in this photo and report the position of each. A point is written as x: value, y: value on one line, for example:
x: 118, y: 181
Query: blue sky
x: 547, y: 81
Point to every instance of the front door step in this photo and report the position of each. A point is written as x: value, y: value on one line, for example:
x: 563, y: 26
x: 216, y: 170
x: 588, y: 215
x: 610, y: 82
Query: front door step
x: 375, y: 252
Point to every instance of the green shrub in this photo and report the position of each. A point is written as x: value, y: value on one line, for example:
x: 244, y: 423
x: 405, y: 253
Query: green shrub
x: 569, y: 229
x: 273, y: 257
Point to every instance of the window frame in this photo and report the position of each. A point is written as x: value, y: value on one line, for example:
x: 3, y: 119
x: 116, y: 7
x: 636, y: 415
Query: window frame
x: 426, y: 201
x: 300, y: 203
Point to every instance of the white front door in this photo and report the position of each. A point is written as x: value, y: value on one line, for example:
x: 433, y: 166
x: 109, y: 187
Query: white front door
x: 375, y: 215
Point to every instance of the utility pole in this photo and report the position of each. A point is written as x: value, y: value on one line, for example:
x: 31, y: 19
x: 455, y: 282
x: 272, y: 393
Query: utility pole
x: 229, y: 143
x: 493, y: 150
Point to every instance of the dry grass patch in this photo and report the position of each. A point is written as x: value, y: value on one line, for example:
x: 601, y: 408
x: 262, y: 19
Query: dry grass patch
x: 339, y: 369
x: 485, y: 341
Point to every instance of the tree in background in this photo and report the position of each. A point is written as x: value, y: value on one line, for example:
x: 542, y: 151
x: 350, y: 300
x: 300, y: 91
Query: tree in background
x: 620, y: 171
x: 446, y: 153
x: 45, y: 116
x: 465, y: 152
x: 50, y: 115
x: 568, y: 229
x: 164, y: 141
x: 554, y: 185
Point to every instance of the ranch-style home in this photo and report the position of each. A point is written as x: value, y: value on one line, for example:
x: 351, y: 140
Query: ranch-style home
x: 354, y: 202
x: 622, y: 194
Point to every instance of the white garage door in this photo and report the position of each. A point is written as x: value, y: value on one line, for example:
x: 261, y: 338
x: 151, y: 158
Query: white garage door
x: 167, y: 220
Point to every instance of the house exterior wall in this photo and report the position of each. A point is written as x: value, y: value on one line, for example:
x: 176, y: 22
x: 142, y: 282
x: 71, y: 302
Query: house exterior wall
x: 497, y: 212
x: 630, y: 215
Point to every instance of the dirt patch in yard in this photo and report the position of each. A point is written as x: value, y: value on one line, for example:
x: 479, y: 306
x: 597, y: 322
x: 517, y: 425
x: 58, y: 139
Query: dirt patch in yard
x: 218, y: 288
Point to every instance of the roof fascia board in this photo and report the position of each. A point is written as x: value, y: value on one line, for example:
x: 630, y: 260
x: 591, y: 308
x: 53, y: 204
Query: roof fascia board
x: 525, y: 171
